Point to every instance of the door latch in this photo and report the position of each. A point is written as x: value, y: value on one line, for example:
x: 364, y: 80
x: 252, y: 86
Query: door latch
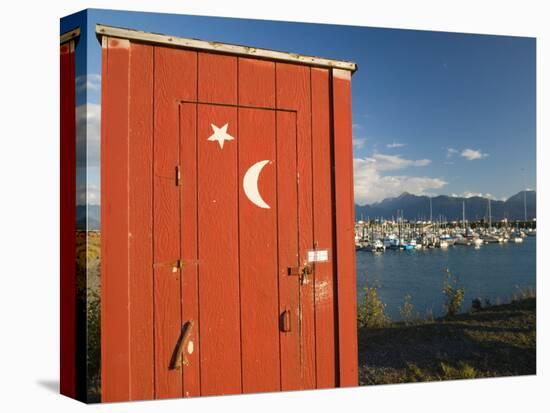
x: 302, y: 271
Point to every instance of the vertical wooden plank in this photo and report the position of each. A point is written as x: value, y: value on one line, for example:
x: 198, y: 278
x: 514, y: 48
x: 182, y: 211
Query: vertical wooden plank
x: 166, y: 251
x: 258, y: 253
x: 345, y: 250
x: 217, y: 78
x: 294, y: 92
x: 287, y: 230
x: 218, y: 253
x: 219, y: 295
x: 115, y: 357
x: 322, y: 218
x: 256, y: 83
x: 140, y: 254
x: 174, y: 79
x: 67, y: 219
x: 189, y: 245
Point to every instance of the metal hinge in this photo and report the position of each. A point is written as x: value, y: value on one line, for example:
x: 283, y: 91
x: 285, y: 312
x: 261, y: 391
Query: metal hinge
x: 175, y: 265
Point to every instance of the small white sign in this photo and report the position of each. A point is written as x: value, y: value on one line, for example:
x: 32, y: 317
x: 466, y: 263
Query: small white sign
x: 317, y: 256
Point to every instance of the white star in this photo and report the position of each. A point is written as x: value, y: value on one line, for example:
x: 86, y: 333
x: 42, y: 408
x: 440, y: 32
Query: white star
x: 220, y: 134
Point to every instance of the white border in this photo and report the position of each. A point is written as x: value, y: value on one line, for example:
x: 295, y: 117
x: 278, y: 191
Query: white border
x: 29, y: 237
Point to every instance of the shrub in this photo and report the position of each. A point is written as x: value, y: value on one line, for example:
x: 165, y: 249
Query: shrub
x: 523, y: 293
x: 454, y: 295
x: 406, y: 310
x: 93, y: 354
x: 463, y: 371
x: 372, y: 311
x: 429, y: 315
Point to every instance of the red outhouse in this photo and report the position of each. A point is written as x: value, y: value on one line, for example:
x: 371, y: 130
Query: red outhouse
x: 227, y: 227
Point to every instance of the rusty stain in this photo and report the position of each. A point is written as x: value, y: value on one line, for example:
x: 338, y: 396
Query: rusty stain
x: 322, y: 291
x: 119, y: 43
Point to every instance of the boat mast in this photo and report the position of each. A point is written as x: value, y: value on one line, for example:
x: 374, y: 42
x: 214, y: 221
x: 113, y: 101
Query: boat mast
x: 525, y: 206
x: 524, y: 197
x: 463, y: 215
x: 430, y: 209
x: 489, y: 213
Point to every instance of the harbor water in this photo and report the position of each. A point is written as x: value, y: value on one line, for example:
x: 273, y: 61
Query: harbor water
x: 493, y: 272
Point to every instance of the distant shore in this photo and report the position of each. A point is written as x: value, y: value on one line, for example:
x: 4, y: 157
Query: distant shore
x: 495, y: 341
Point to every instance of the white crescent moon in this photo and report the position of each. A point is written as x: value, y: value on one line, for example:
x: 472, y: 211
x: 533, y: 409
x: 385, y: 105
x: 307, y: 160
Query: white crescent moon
x: 250, y: 184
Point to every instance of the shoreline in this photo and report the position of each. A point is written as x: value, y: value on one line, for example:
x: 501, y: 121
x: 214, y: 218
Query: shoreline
x: 495, y: 341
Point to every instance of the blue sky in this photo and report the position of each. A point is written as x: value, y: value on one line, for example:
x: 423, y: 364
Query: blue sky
x: 433, y: 112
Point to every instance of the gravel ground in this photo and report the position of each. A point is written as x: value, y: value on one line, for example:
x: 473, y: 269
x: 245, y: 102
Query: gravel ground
x: 496, y: 341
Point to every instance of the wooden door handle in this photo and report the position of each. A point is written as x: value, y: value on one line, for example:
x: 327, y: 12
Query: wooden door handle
x: 183, y: 341
x: 285, y: 321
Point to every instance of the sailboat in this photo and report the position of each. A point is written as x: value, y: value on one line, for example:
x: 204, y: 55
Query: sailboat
x: 462, y: 239
x: 490, y: 237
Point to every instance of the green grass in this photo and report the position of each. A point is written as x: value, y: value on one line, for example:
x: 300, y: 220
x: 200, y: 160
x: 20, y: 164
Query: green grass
x: 499, y: 340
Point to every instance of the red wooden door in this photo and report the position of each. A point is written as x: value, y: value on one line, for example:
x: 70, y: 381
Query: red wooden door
x: 240, y: 237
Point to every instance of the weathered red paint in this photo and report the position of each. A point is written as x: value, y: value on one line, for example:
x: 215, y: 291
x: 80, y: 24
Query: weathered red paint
x: 140, y: 222
x: 115, y: 279
x: 323, y: 232
x: 219, y: 290
x: 67, y: 220
x: 159, y: 106
x: 287, y: 205
x: 345, y: 248
x: 189, y: 243
x: 294, y: 93
x: 258, y: 255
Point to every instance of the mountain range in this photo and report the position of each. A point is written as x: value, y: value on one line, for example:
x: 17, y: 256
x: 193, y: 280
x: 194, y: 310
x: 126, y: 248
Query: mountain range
x: 413, y: 207
x: 417, y: 207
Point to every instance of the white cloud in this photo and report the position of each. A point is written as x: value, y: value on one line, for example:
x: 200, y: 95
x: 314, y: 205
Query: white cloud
x: 359, y: 142
x: 371, y: 185
x: 91, y: 82
x: 395, y: 145
x: 394, y: 162
x: 87, y: 195
x: 451, y: 152
x: 88, y: 118
x: 473, y: 154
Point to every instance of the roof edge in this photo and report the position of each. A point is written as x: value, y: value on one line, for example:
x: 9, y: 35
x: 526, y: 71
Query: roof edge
x: 188, y: 43
x: 70, y: 35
